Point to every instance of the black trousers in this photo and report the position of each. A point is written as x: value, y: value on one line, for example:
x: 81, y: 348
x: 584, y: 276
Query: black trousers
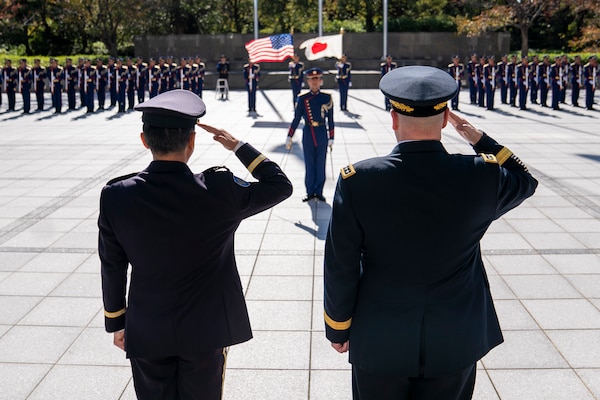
x: 180, y: 377
x: 453, y: 387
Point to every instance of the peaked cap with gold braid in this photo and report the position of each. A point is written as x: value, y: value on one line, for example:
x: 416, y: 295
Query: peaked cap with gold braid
x: 418, y: 91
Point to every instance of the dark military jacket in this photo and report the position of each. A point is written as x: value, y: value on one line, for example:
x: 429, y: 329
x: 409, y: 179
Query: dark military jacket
x: 176, y: 230
x: 404, y: 277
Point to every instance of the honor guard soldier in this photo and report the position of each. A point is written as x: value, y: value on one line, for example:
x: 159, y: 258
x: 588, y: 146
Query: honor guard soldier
x: 344, y: 80
x: 502, y: 78
x: 481, y: 81
x: 199, y: 76
x: 472, y: 74
x: 112, y: 81
x: 223, y: 80
x: 251, y: 78
x: 89, y: 74
x: 489, y: 78
x: 122, y: 75
x: 81, y: 84
x: 71, y: 76
x: 456, y: 71
x: 131, y: 79
x: 512, y: 80
x: 316, y: 108
x: 523, y: 77
x: 176, y: 229
x: 557, y: 81
x: 164, y: 75
x: 576, y: 80
x: 39, y: 81
x: 153, y: 77
x: 566, y: 69
x: 406, y: 291
x: 590, y: 75
x: 140, y: 79
x: 101, y: 75
x: 56, y: 76
x: 172, y: 72
x: 296, y: 69
x: 11, y: 79
x: 533, y: 79
x: 543, y: 76
x: 25, y: 77
x: 193, y: 75
x: 386, y: 67
x: 183, y: 80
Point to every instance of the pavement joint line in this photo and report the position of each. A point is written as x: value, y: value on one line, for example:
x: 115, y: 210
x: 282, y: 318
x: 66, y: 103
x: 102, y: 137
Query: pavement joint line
x: 41, y: 212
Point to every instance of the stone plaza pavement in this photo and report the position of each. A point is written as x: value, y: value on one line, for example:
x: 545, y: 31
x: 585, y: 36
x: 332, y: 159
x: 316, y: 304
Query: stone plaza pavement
x: 543, y: 258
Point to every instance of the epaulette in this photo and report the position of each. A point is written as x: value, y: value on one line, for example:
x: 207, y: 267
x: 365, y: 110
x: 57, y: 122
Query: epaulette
x: 489, y: 158
x: 246, y: 65
x: 213, y: 170
x: 121, y: 178
x: 449, y: 65
x: 347, y: 171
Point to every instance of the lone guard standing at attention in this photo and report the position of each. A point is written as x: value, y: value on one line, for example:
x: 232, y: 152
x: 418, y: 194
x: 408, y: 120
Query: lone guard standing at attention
x: 251, y: 77
x: 406, y: 290
x: 456, y: 70
x: 386, y: 67
x: 316, y: 108
x: 176, y: 229
x: 296, y: 69
x: 344, y: 80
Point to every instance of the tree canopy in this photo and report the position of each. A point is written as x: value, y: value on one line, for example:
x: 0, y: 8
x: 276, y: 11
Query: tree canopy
x: 47, y: 27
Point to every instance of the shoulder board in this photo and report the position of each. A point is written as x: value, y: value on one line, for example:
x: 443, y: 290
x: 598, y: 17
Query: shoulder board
x: 213, y: 170
x: 121, y: 178
x: 246, y: 65
x: 450, y: 65
x: 382, y: 64
x: 489, y: 158
x: 347, y: 171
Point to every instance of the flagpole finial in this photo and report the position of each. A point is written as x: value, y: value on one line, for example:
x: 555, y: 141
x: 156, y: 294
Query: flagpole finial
x: 341, y: 31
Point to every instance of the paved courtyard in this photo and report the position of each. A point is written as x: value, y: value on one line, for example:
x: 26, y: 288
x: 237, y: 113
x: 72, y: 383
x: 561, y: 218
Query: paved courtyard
x: 543, y: 259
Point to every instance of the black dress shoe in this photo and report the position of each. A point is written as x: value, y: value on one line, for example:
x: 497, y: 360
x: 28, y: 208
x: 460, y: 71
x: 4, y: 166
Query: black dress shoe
x: 320, y: 197
x: 309, y: 197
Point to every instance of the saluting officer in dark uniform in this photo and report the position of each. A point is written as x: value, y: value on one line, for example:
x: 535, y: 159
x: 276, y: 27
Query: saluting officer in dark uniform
x: 472, y: 75
x: 316, y: 108
x: 176, y: 229
x: 456, y: 70
x: 489, y: 79
x: 39, y: 81
x: 386, y: 67
x: 251, y: 78
x: 296, y: 69
x: 11, y: 79
x: 101, y: 82
x: 543, y: 76
x: 523, y: 81
x: 405, y: 286
x: 140, y: 79
x: 344, y: 80
x: 25, y: 77
x: 590, y: 73
x: 153, y: 77
x: 57, y: 75
x: 576, y: 80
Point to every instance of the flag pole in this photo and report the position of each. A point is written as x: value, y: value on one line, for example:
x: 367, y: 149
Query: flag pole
x: 255, y: 19
x: 385, y: 28
x: 320, y: 17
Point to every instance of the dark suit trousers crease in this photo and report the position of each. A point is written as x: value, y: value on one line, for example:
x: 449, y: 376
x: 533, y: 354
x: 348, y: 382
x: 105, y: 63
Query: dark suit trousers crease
x: 180, y: 377
x: 452, y: 387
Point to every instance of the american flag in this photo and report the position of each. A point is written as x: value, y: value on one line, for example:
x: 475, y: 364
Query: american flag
x: 270, y: 49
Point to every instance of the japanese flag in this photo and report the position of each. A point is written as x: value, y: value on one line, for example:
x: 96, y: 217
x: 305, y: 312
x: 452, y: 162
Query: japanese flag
x: 323, y: 46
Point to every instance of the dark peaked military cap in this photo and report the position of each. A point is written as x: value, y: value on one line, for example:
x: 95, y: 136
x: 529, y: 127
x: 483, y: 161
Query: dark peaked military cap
x: 418, y: 91
x: 173, y: 109
x: 313, y: 73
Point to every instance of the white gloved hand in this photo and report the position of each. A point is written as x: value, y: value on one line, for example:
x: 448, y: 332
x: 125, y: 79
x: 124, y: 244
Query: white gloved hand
x: 302, y: 84
x: 349, y: 84
x: 288, y: 143
x: 330, y: 143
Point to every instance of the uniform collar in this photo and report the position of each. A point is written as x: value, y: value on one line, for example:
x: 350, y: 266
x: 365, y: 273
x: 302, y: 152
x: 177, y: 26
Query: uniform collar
x: 419, y: 146
x: 168, y: 167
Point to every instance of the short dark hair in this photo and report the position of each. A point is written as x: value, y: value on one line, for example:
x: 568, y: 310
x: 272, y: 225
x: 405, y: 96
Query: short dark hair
x: 167, y: 140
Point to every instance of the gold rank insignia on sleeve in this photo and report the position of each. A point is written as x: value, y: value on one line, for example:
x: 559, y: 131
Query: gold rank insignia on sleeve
x: 489, y: 158
x: 347, y: 171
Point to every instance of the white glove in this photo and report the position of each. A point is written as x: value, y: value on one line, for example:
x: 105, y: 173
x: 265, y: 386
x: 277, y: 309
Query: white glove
x: 288, y: 143
x: 330, y: 143
x: 349, y: 84
x: 302, y: 84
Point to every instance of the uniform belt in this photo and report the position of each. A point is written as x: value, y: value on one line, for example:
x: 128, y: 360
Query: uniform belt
x: 343, y: 76
x: 316, y: 123
x: 295, y: 76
